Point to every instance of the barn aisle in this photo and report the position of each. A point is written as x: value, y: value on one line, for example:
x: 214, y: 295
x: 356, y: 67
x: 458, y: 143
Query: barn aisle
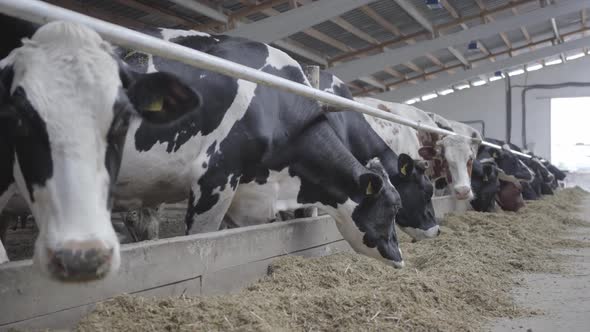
x: 563, y: 300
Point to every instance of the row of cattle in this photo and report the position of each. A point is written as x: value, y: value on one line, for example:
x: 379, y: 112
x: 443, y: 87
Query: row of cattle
x: 87, y: 128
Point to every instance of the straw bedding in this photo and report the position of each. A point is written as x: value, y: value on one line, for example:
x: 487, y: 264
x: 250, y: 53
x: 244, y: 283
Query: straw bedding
x: 452, y: 283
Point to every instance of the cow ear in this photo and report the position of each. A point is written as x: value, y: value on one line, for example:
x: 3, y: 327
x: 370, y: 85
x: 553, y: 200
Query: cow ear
x: 405, y: 165
x: 162, y: 97
x: 371, y: 184
x: 158, y: 97
x: 488, y: 170
x: 427, y: 152
x: 11, y: 123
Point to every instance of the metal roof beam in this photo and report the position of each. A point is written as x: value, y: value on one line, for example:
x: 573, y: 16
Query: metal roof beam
x: 409, y: 8
x: 202, y: 9
x: 351, y: 70
x: 374, y: 82
x: 301, y: 50
x: 295, y: 20
x: 413, y: 11
x: 408, y: 92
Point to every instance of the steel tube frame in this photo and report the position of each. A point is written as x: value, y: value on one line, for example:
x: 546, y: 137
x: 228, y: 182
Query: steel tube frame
x: 41, y: 13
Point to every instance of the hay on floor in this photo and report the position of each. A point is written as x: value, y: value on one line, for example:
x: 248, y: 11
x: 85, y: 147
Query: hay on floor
x: 454, y: 282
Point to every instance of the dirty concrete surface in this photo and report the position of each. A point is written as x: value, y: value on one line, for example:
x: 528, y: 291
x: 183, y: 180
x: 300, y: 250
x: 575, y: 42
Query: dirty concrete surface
x: 563, y: 300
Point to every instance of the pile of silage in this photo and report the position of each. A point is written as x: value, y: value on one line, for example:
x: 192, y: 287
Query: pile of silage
x: 451, y: 283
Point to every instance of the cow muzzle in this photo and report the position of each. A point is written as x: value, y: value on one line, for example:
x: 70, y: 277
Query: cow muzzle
x: 80, y: 261
x: 463, y: 192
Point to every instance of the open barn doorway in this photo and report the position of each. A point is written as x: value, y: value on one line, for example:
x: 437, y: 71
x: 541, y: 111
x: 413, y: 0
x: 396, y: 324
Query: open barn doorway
x: 570, y: 138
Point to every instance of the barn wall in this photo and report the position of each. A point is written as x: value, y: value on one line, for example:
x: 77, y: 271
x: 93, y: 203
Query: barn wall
x: 487, y: 103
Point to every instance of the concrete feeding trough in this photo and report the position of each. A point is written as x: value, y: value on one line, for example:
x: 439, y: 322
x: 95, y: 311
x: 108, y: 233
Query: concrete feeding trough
x: 203, y: 264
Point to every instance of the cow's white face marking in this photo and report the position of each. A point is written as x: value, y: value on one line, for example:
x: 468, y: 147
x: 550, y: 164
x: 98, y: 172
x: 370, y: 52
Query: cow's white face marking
x: 71, y: 80
x: 343, y: 217
x: 528, y: 169
x: 419, y: 234
x: 459, y: 156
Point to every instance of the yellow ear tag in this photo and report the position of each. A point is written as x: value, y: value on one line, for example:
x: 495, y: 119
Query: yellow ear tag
x: 156, y: 105
x: 369, y: 189
x: 403, y: 170
x: 495, y: 155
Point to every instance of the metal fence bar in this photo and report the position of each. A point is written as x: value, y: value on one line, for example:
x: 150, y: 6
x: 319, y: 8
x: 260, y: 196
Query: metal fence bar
x: 41, y: 13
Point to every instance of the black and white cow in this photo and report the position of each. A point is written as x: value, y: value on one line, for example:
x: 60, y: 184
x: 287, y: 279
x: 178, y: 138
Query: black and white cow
x: 542, y: 177
x: 512, y: 173
x: 243, y: 134
x: 247, y: 136
x: 256, y: 204
x: 64, y: 112
x: 558, y: 174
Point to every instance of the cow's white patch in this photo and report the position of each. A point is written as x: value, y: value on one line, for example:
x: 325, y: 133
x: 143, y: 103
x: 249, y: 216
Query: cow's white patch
x: 343, y: 217
x: 71, y: 79
x: 420, y: 234
x: 151, y: 68
x: 259, y: 203
x: 3, y: 254
x: 157, y: 176
x: 168, y: 34
x: 530, y: 171
x: 399, y: 138
x: 279, y: 59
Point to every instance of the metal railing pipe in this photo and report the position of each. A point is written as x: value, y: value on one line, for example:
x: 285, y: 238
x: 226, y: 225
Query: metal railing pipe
x: 41, y: 13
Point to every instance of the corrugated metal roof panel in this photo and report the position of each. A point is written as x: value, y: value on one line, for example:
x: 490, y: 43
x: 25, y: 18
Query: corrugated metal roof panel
x: 435, y: 16
x: 335, y: 31
x: 367, y: 25
x: 315, y: 44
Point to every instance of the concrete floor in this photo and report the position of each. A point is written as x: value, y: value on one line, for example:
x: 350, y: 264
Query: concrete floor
x: 564, y: 299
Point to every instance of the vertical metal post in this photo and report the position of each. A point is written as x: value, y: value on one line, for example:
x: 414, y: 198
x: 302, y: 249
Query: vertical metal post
x: 508, y: 108
x: 313, y: 75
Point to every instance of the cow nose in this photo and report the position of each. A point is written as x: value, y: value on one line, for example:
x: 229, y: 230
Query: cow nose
x: 80, y: 261
x: 462, y: 192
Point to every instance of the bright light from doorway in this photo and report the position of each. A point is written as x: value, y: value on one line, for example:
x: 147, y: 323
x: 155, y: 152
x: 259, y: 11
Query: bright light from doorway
x: 570, y: 137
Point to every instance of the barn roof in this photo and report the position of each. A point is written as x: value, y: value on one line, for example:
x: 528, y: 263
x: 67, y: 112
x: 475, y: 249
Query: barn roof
x: 391, y: 49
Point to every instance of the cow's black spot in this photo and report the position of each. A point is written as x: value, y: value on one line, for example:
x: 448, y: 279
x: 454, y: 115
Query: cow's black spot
x: 33, y: 150
x: 205, y: 164
x: 211, y: 148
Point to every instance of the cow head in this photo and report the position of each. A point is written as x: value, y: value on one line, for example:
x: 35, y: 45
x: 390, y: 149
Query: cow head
x: 372, y: 229
x: 416, y: 217
x: 485, y: 185
x: 559, y: 175
x: 65, y: 108
x: 452, y: 158
x: 508, y: 162
x: 510, y: 196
